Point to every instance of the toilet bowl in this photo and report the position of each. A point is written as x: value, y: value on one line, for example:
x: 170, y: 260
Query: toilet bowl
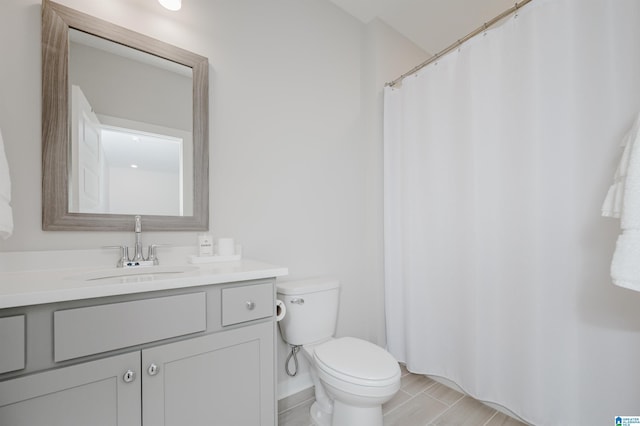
x: 352, y: 377
x: 359, y: 377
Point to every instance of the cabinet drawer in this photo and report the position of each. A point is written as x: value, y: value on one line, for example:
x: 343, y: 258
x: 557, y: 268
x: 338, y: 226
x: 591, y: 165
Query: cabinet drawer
x: 94, y: 329
x: 240, y: 304
x: 12, y: 347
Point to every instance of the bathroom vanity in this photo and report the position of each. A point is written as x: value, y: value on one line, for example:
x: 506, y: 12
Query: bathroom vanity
x: 159, y: 345
x: 182, y: 345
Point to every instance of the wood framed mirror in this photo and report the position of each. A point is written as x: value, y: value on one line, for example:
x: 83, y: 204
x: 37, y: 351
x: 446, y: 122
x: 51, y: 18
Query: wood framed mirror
x: 87, y: 184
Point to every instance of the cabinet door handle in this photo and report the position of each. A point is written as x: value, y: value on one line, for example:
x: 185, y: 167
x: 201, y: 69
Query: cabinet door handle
x: 129, y: 376
x: 250, y: 305
x: 153, y: 369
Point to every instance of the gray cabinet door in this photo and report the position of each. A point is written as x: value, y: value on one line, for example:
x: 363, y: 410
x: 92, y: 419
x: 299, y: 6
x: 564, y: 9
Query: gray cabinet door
x: 224, y: 379
x: 93, y: 393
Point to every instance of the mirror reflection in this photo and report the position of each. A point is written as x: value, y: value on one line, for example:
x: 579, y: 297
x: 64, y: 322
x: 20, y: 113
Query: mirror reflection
x: 131, y: 144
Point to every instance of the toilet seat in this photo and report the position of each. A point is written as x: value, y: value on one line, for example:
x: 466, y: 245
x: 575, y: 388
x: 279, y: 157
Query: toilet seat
x: 357, y: 362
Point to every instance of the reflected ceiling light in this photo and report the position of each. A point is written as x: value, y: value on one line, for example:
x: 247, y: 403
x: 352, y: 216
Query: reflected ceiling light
x: 134, y: 166
x: 171, y: 4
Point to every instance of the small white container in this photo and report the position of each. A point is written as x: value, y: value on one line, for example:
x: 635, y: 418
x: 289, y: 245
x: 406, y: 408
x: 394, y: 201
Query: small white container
x: 205, y: 245
x: 226, y: 247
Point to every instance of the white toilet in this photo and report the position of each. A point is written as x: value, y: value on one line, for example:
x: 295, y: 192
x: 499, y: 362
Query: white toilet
x: 352, y: 377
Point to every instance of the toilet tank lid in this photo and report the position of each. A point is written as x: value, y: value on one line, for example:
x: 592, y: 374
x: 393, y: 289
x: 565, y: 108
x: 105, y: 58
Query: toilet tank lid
x: 312, y: 285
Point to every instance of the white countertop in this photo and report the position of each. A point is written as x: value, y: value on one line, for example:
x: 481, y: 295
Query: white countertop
x: 23, y: 288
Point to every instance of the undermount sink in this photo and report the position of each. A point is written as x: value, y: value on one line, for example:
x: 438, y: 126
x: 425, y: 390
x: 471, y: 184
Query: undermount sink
x: 141, y: 273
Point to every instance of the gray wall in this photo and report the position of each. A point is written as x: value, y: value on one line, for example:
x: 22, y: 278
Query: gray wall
x: 121, y: 87
x: 295, y: 133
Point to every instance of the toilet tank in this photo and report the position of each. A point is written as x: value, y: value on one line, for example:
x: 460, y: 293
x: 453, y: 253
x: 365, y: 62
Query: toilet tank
x: 312, y: 310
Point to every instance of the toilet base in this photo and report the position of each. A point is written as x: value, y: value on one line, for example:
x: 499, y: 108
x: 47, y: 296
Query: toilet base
x: 346, y: 415
x: 349, y: 415
x: 319, y: 417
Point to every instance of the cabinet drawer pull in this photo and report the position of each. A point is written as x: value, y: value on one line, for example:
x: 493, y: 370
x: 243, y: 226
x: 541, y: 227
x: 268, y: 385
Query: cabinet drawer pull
x: 153, y: 369
x: 129, y: 376
x: 247, y: 303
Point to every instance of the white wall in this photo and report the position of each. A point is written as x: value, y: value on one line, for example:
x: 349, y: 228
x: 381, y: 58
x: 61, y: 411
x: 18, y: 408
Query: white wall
x: 295, y: 133
x: 160, y: 192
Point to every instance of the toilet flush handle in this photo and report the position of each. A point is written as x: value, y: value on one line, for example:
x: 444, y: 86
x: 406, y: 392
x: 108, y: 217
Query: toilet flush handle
x: 298, y: 300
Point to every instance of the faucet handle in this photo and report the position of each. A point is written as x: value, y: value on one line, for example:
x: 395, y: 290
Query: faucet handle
x: 152, y: 254
x: 124, y: 254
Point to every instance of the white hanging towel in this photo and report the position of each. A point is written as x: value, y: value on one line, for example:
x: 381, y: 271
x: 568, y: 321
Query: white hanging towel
x: 6, y: 214
x: 623, y: 201
x: 612, y: 206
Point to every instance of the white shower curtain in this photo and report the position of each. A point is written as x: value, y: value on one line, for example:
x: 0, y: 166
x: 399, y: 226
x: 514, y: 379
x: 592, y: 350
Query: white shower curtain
x: 497, y: 160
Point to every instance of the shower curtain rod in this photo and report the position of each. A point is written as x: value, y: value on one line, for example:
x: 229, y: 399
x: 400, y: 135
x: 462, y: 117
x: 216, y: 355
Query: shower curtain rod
x: 458, y: 43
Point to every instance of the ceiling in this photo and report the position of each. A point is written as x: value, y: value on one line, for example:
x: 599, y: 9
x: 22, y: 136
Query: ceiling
x: 431, y: 24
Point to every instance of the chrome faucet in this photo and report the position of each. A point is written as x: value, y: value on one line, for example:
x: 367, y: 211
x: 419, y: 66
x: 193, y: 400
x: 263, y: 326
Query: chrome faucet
x: 138, y: 259
x: 137, y: 251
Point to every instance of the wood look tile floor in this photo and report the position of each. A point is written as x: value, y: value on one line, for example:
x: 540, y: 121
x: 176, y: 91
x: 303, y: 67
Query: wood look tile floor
x: 421, y: 401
